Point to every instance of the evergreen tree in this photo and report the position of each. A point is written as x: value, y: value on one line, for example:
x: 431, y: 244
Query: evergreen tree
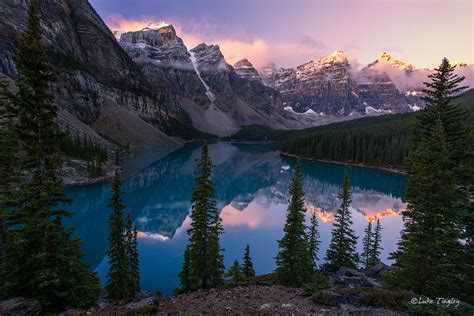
x: 313, y: 240
x: 367, y: 244
x: 247, y: 268
x: 342, y: 249
x: 235, y: 274
x: 429, y: 254
x: 119, y: 263
x: 187, y: 278
x: 46, y: 261
x: 293, y: 262
x: 8, y: 176
x: 376, y: 245
x: 204, y: 267
x: 132, y: 254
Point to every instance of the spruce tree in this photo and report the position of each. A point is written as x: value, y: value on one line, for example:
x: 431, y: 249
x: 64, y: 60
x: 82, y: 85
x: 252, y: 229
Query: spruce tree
x: 376, y: 247
x: 293, y: 262
x: 429, y: 256
x: 205, y: 266
x: 9, y: 179
x: 342, y: 249
x: 132, y: 255
x: 429, y: 240
x: 367, y: 244
x: 313, y: 240
x: 188, y: 281
x: 235, y: 274
x: 119, y: 263
x: 247, y: 267
x: 46, y: 261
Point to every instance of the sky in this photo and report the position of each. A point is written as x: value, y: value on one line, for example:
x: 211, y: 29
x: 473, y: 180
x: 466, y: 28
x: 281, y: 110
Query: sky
x: 292, y: 32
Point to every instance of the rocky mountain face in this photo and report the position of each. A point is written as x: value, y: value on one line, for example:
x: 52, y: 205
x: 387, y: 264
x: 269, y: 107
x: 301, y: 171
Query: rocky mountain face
x: 329, y: 86
x: 215, y: 98
x: 96, y: 75
x: 245, y: 70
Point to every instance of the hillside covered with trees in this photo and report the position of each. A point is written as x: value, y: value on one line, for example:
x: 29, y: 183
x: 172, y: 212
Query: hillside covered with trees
x: 376, y: 141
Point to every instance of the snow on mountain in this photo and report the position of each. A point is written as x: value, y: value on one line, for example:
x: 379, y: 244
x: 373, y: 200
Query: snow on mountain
x: 245, y: 69
x: 155, y: 25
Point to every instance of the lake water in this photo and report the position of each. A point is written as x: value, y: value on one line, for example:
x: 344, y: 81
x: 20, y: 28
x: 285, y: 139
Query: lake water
x: 251, y: 183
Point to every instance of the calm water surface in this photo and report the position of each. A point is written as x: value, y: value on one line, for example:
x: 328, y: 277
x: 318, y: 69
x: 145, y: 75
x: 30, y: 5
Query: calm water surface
x: 251, y: 183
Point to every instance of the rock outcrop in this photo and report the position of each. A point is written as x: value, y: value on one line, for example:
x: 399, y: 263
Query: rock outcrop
x: 329, y: 86
x: 210, y: 93
x: 20, y: 306
x: 246, y: 70
x: 93, y: 67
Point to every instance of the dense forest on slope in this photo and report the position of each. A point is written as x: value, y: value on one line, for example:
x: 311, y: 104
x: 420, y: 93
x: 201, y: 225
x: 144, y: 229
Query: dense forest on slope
x: 374, y: 142
x: 378, y: 141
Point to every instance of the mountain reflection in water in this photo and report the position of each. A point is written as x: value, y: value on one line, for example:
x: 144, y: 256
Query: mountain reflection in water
x: 251, y: 183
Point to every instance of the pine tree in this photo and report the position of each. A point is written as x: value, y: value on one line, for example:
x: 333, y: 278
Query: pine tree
x: 367, y: 244
x: 205, y: 266
x: 429, y: 254
x: 247, y: 268
x: 119, y: 264
x: 313, y: 240
x: 376, y: 245
x: 235, y: 274
x: 9, y: 179
x: 188, y: 282
x: 342, y: 249
x: 132, y: 255
x: 429, y: 240
x: 46, y: 261
x: 293, y: 262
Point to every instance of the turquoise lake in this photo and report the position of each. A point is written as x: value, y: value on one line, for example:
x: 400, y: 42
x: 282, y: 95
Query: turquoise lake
x: 251, y: 183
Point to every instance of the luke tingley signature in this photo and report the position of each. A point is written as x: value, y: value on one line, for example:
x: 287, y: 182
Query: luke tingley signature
x: 422, y: 300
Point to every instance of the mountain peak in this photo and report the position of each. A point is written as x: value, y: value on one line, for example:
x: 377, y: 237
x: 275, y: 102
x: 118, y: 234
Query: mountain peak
x: 338, y: 56
x: 156, y: 25
x: 387, y: 58
x: 246, y: 70
x: 244, y: 62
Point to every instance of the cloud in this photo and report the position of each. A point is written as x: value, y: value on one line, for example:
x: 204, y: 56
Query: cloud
x: 234, y: 46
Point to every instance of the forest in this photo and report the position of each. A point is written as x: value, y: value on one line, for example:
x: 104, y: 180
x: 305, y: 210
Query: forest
x: 376, y: 141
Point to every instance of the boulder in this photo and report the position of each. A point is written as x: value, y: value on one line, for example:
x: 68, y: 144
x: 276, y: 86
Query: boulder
x: 19, y: 306
x: 351, y: 278
x: 348, y: 272
x: 377, y: 270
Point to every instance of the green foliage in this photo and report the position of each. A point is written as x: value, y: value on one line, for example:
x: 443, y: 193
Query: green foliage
x: 203, y: 265
x: 123, y: 276
x: 313, y: 240
x: 378, y: 297
x: 317, y: 283
x: 367, y: 246
x: 293, y: 262
x: 342, y: 249
x: 9, y: 179
x: 43, y: 260
x: 376, y: 246
x: 131, y: 244
x: 377, y: 141
x: 235, y: 274
x: 430, y: 255
x: 81, y: 147
x: 247, y: 267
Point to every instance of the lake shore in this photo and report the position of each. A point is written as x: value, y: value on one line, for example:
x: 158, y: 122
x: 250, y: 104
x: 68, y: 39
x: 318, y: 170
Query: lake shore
x: 386, y: 169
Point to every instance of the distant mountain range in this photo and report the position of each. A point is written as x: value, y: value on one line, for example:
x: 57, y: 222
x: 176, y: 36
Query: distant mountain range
x: 139, y: 87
